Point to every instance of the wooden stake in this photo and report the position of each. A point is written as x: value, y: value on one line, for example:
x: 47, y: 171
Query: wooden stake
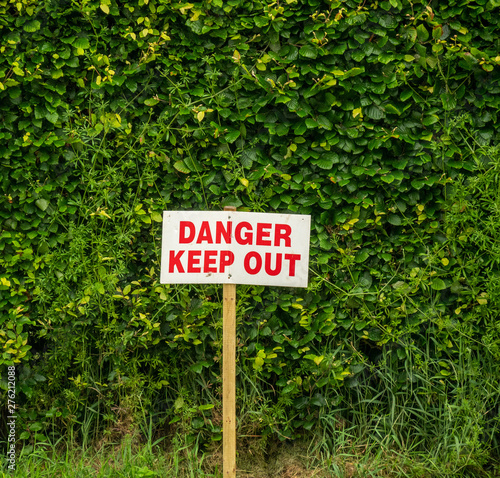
x: 229, y: 377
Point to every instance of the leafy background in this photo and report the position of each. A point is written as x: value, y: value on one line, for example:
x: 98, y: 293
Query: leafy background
x: 378, y: 119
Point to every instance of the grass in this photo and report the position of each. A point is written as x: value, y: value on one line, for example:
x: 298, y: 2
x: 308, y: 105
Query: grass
x: 311, y: 457
x: 380, y: 427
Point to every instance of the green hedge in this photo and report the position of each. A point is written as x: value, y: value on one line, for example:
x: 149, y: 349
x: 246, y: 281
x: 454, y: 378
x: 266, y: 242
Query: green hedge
x: 353, y: 112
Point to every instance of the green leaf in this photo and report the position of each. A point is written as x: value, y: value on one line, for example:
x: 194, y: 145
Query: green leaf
x: 181, y: 166
x: 374, y: 112
x: 308, y: 51
x: 438, y: 284
x: 361, y: 256
x: 151, y: 102
x: 422, y: 33
x: 31, y: 26
x: 81, y: 42
x: 232, y: 136
x: 324, y: 122
x: 42, y: 204
x: 437, y: 32
x: 197, y: 368
x: 391, y: 109
x: 428, y: 120
x: 52, y: 117
x: 412, y: 34
x: 394, y: 219
x: 326, y: 161
x: 99, y: 288
x: 261, y: 21
x: 354, y: 72
x: 156, y: 216
x: 311, y: 123
x: 449, y: 101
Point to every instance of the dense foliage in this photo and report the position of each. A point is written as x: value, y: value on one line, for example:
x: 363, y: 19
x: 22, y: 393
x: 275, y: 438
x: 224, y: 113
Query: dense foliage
x: 368, y: 116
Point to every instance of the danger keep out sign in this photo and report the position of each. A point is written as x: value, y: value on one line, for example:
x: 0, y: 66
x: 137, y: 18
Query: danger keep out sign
x: 230, y: 247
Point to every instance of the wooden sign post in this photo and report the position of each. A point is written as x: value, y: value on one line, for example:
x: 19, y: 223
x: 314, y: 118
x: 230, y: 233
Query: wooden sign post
x: 229, y: 248
x: 229, y: 377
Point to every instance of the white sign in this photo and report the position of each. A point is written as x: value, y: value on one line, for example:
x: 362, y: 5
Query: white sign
x: 231, y: 247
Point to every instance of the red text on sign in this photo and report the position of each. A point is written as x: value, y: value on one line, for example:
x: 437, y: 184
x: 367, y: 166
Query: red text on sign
x: 200, y: 261
x: 253, y: 263
x: 265, y: 234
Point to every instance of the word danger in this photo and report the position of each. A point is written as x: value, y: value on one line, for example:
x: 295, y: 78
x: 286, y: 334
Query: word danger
x: 234, y: 247
x: 211, y: 261
x: 266, y: 234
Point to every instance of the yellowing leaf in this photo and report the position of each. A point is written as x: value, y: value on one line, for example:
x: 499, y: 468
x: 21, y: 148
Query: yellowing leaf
x: 357, y: 112
x: 483, y: 299
x: 5, y: 281
x: 186, y: 7
x: 259, y: 362
x: 200, y: 115
x: 244, y: 181
x: 195, y: 15
x: 104, y: 8
x: 156, y: 216
x: 445, y: 261
x: 318, y: 360
x: 236, y: 56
